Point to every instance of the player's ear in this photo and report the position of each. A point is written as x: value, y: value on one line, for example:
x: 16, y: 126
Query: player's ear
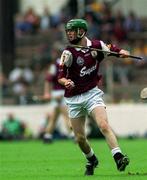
x: 81, y: 31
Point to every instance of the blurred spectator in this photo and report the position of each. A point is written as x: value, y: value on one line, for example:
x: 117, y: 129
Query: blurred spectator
x: 12, y: 128
x: 132, y: 23
x: 55, y: 20
x: 22, y: 27
x: 32, y: 18
x: 16, y: 80
x: 119, y: 15
x: 94, y: 27
x: 45, y: 20
x: 38, y: 73
x: 18, y: 76
x: 25, y: 96
x: 28, y: 75
x: 21, y: 79
x: 123, y: 73
x: 72, y: 8
x: 54, y: 92
x: 94, y: 6
x: 119, y: 29
x: 107, y: 22
x: 48, y: 20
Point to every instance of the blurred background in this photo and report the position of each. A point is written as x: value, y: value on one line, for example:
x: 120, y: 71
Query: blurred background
x: 32, y: 34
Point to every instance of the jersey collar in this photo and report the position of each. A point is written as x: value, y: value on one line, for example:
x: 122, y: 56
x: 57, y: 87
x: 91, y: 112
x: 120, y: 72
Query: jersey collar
x: 89, y: 43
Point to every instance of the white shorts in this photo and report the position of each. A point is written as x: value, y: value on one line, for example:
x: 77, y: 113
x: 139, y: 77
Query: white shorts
x: 55, y: 94
x: 83, y: 104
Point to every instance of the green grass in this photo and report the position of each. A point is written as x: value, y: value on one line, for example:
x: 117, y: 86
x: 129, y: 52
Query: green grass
x: 33, y: 160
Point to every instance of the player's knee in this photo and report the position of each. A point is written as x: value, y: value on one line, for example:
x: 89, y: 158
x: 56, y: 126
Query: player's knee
x: 104, y: 127
x: 80, y: 138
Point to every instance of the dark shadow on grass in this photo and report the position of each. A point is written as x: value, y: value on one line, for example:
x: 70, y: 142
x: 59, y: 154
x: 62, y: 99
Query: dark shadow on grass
x: 137, y: 173
x: 124, y: 175
x: 66, y: 175
x: 112, y: 175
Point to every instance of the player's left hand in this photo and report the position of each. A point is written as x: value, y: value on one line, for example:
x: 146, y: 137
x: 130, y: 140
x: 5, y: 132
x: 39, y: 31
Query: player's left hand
x: 124, y: 53
x: 69, y: 84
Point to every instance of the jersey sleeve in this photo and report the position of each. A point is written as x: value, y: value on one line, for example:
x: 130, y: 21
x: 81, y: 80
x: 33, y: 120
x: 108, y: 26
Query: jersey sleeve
x: 109, y: 47
x: 104, y: 47
x: 66, y: 58
x: 65, y: 63
x: 114, y: 48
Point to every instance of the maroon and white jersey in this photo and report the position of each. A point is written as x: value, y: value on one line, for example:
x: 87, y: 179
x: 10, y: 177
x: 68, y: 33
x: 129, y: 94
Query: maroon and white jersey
x: 82, y: 66
x: 52, y: 75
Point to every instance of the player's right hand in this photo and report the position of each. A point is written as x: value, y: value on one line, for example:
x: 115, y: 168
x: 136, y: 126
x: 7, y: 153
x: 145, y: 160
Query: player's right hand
x: 69, y: 84
x: 124, y: 53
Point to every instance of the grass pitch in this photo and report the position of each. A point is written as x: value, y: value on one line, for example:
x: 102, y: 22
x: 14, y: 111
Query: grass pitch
x: 33, y: 160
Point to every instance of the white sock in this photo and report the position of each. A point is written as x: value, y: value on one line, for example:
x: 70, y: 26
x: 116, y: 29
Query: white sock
x: 90, y: 154
x: 115, y: 150
x: 71, y: 135
x: 48, y: 136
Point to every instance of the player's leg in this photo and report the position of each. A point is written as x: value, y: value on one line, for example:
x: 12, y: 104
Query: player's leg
x: 100, y: 116
x: 78, y: 126
x: 63, y: 111
x: 48, y: 135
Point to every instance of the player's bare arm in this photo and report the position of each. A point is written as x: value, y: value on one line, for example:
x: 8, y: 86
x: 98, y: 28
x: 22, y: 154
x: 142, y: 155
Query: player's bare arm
x: 66, y: 61
x: 68, y: 83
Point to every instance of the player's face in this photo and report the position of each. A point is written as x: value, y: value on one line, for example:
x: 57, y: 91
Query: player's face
x: 71, y: 35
